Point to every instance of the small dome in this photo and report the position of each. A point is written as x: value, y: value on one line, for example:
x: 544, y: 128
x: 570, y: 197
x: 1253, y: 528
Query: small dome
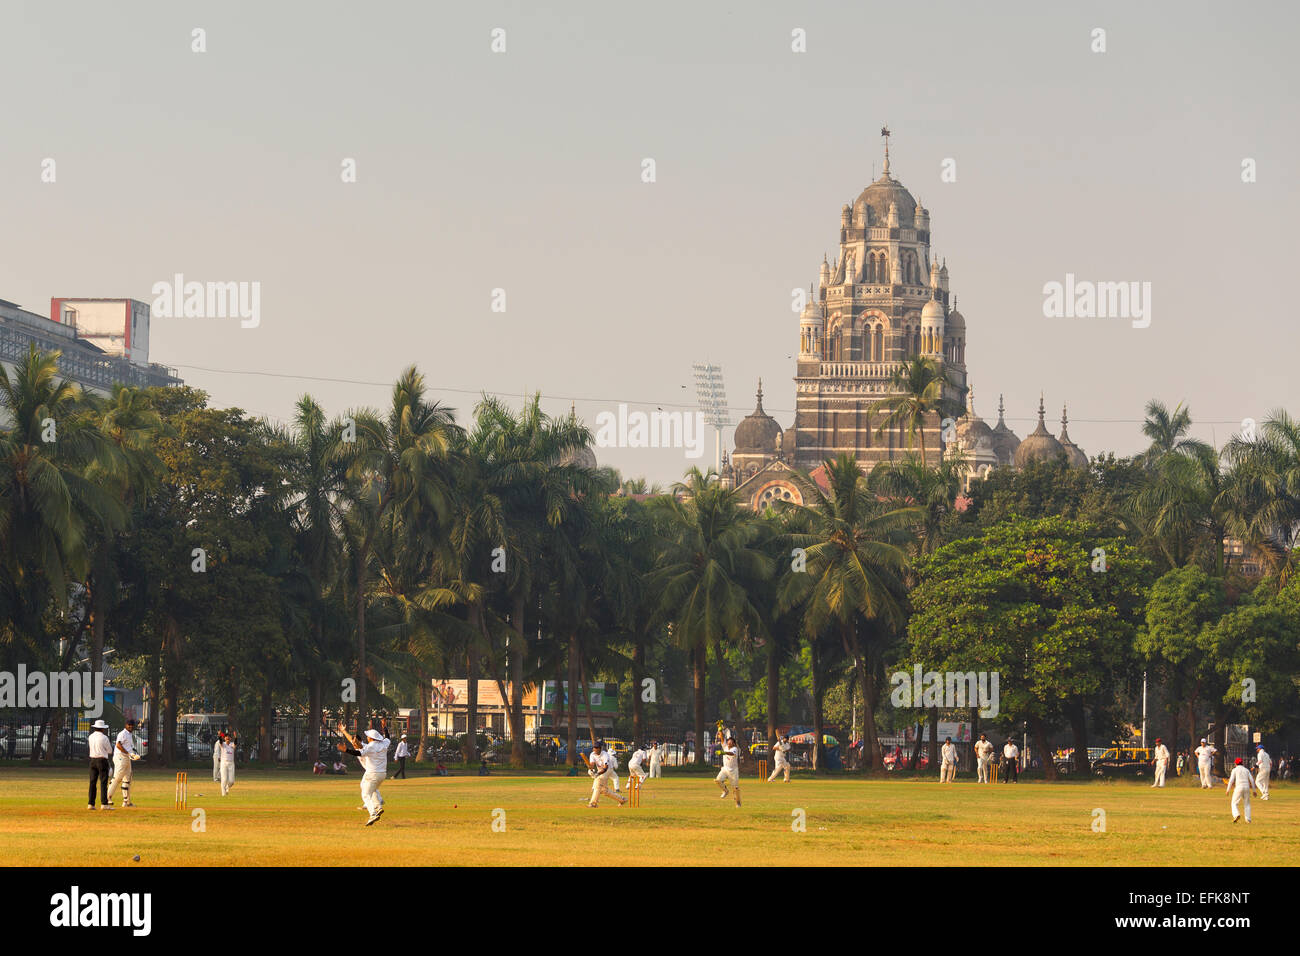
x: 956, y: 320
x: 973, y: 430
x: 757, y: 431
x: 583, y: 457
x: 932, y: 311
x: 1073, y: 453
x: 1040, y: 445
x: 1005, y: 441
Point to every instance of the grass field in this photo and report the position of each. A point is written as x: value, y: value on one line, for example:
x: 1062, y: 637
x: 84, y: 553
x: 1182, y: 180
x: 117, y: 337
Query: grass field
x: 289, y: 817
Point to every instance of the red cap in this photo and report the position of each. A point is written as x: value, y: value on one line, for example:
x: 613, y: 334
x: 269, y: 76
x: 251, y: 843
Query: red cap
x: 1238, y: 760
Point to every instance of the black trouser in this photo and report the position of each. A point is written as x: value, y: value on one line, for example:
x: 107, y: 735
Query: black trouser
x: 1010, y: 771
x: 100, y: 769
x: 401, y: 768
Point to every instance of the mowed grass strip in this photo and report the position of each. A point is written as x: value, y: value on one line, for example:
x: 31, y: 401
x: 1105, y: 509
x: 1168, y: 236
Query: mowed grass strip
x: 291, y: 818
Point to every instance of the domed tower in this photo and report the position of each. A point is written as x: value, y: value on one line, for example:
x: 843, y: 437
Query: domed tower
x: 756, y: 440
x: 581, y: 456
x: 1005, y: 441
x: 884, y: 301
x: 1039, y: 445
x: 1073, y: 453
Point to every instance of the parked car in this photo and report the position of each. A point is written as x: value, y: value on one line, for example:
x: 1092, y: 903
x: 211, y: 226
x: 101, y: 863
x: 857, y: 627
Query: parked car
x: 187, y: 747
x: 1123, y: 762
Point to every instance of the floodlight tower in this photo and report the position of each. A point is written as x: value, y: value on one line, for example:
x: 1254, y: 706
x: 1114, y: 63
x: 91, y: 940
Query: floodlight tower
x: 712, y: 395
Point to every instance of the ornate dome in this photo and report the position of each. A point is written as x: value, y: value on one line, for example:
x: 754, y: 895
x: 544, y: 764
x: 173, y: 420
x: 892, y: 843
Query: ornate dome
x: 972, y: 429
x: 583, y: 457
x: 757, y: 431
x: 1005, y: 441
x: 1073, y: 453
x: 1040, y: 445
x: 877, y: 197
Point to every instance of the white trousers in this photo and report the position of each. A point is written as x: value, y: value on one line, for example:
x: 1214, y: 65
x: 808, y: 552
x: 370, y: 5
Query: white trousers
x: 600, y: 784
x: 1204, y: 767
x: 1162, y: 767
x: 216, y: 764
x: 655, y: 770
x: 729, y: 779
x: 1241, y: 796
x: 947, y: 772
x: 636, y: 772
x: 782, y: 766
x: 984, y: 768
x: 122, y: 774
x: 1261, y: 781
x: 227, y: 776
x: 370, y: 782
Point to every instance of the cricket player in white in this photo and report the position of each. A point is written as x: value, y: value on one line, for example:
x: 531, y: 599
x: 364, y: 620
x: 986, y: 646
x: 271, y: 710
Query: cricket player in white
x: 373, y: 757
x: 639, y: 755
x: 123, y: 756
x: 1162, y: 763
x: 613, y: 767
x: 227, y: 747
x: 1241, y: 785
x: 1263, y: 767
x: 216, y: 758
x: 780, y: 759
x: 600, y: 769
x: 947, y: 761
x: 983, y: 757
x: 656, y: 759
x: 730, y: 772
x: 1205, y: 754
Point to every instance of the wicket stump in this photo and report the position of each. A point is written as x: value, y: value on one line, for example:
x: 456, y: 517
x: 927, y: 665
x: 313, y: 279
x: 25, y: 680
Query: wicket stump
x: 182, y: 790
x: 762, y: 769
x: 634, y: 791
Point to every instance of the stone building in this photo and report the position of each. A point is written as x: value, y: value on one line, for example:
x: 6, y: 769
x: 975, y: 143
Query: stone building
x: 884, y: 300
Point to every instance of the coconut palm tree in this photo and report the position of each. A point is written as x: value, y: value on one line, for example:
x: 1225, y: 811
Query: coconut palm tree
x: 856, y: 569
x: 1167, y: 431
x: 919, y: 388
x: 710, y: 566
x: 399, y: 460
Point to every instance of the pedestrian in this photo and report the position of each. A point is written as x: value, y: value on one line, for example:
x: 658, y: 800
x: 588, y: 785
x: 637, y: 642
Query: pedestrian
x: 101, y: 751
x: 373, y: 756
x: 402, y: 753
x: 124, y: 756
x: 1162, y: 763
x: 1204, y: 755
x: 948, y: 761
x: 11, y: 741
x: 228, y: 754
x: 729, y: 775
x: 1010, y: 762
x: 780, y: 758
x: 983, y: 757
x: 1182, y: 762
x: 1241, y: 785
x: 656, y: 758
x: 1263, y: 764
x: 598, y: 768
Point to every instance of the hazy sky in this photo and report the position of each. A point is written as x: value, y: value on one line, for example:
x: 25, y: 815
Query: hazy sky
x: 522, y: 170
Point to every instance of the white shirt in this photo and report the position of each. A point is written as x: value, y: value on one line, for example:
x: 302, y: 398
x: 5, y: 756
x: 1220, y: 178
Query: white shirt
x: 656, y: 755
x: 637, y: 757
x: 1239, y: 779
x: 99, y: 745
x: 374, y: 756
x: 1263, y: 761
x: 1011, y: 751
x: 729, y: 759
x: 1162, y: 754
x: 599, y: 761
x: 402, y: 750
x: 227, y: 752
x: 613, y: 758
x: 1204, y: 753
x: 127, y: 741
x: 983, y: 749
x: 949, y: 753
x: 780, y: 750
